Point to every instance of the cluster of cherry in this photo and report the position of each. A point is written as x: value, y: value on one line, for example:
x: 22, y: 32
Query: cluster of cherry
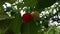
x: 28, y: 17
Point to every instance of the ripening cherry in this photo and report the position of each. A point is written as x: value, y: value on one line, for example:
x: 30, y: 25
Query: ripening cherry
x: 35, y: 15
x: 26, y: 18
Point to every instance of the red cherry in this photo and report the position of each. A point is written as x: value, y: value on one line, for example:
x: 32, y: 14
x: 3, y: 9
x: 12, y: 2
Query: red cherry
x: 27, y: 18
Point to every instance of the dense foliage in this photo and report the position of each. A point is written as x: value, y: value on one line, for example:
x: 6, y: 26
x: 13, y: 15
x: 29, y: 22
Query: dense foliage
x: 34, y: 21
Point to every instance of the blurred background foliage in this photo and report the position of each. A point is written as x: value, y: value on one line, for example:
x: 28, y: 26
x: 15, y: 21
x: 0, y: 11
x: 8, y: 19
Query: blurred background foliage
x: 11, y: 12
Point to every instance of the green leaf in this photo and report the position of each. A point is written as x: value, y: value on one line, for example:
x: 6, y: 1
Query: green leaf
x: 30, y: 3
x: 4, y: 24
x: 10, y: 1
x: 29, y: 28
x: 44, y: 3
x: 20, y: 5
x: 25, y: 29
x: 16, y: 24
x: 3, y: 15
